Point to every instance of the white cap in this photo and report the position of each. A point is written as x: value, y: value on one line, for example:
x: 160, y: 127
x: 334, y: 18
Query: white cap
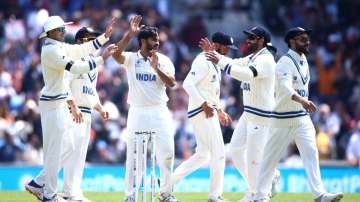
x: 51, y: 23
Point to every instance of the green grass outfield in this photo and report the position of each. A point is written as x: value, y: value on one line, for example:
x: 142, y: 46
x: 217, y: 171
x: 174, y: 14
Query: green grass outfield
x: 183, y: 197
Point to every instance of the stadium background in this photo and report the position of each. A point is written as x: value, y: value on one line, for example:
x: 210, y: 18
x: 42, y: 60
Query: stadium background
x: 334, y: 62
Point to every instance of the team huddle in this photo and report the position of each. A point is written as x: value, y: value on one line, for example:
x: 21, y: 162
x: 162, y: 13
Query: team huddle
x: 275, y: 97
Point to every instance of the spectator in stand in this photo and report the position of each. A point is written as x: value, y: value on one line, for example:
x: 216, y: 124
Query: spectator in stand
x: 9, y: 150
x: 328, y: 64
x: 353, y: 149
x: 328, y: 123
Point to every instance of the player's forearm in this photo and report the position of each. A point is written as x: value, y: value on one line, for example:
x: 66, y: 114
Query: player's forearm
x: 241, y: 73
x: 98, y: 107
x: 298, y: 98
x: 168, y: 80
x: 124, y: 42
x: 80, y: 66
x: 193, y: 92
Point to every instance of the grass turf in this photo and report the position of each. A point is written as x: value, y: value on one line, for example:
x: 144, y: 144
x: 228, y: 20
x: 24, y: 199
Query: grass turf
x: 183, y: 197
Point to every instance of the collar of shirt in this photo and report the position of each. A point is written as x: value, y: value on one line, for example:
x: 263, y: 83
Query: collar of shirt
x: 52, y: 41
x: 296, y: 56
x: 141, y: 57
x: 253, y: 56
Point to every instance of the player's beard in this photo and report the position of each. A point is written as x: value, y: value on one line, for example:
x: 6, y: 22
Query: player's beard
x: 303, y: 49
x: 150, y: 47
x: 252, y: 47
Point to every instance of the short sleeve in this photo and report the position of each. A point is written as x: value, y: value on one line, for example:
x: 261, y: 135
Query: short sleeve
x: 127, y: 59
x: 166, y: 65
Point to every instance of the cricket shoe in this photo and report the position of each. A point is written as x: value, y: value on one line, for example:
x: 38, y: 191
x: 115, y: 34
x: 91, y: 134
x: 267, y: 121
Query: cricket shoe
x: 217, y: 199
x: 76, y: 199
x: 55, y: 198
x: 247, y: 198
x: 167, y: 197
x: 35, y: 189
x: 275, y: 185
x: 329, y: 197
x: 261, y: 200
x: 129, y: 199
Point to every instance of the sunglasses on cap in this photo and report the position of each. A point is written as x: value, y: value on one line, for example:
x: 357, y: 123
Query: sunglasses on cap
x: 61, y: 29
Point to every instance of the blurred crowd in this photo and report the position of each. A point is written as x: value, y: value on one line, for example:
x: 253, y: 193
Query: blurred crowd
x: 334, y: 62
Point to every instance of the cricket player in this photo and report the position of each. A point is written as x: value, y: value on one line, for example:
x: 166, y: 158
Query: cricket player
x: 56, y: 57
x: 149, y: 73
x: 257, y: 75
x: 202, y: 84
x: 291, y: 120
x: 83, y: 90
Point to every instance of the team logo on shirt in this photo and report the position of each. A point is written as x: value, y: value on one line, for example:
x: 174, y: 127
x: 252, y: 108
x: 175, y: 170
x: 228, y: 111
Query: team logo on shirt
x: 145, y: 77
x: 138, y: 63
x: 192, y: 73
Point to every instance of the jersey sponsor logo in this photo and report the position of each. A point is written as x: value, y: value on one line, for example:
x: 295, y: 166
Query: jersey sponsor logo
x: 145, y: 77
x: 88, y: 90
x: 245, y: 86
x: 302, y: 92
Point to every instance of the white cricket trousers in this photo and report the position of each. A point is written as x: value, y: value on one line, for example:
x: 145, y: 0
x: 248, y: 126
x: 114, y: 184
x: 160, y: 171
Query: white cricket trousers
x: 280, y: 138
x: 156, y: 119
x: 73, y: 155
x: 210, y: 146
x: 55, y: 127
x: 246, y: 149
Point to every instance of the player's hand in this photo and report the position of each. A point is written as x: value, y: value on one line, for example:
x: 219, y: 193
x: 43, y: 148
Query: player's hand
x: 135, y: 25
x: 213, y: 57
x: 206, y: 45
x: 308, y: 105
x: 224, y: 118
x: 109, y: 27
x: 154, y: 60
x: 104, y: 114
x: 111, y: 49
x: 76, y: 114
x: 209, y: 111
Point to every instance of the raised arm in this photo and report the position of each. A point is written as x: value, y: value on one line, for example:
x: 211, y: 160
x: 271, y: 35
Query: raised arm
x: 57, y: 59
x: 91, y: 47
x: 123, y: 43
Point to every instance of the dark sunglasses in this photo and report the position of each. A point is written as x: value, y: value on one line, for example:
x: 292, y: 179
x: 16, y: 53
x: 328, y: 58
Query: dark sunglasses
x: 61, y: 29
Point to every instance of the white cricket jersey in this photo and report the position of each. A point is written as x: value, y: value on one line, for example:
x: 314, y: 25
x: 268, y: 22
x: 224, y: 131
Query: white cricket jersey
x: 292, y: 76
x: 145, y: 86
x: 83, y: 89
x: 257, y: 78
x: 202, y: 84
x: 56, y: 57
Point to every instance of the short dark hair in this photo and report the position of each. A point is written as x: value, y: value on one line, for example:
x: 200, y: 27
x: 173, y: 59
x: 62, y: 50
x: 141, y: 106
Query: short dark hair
x: 147, y: 32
